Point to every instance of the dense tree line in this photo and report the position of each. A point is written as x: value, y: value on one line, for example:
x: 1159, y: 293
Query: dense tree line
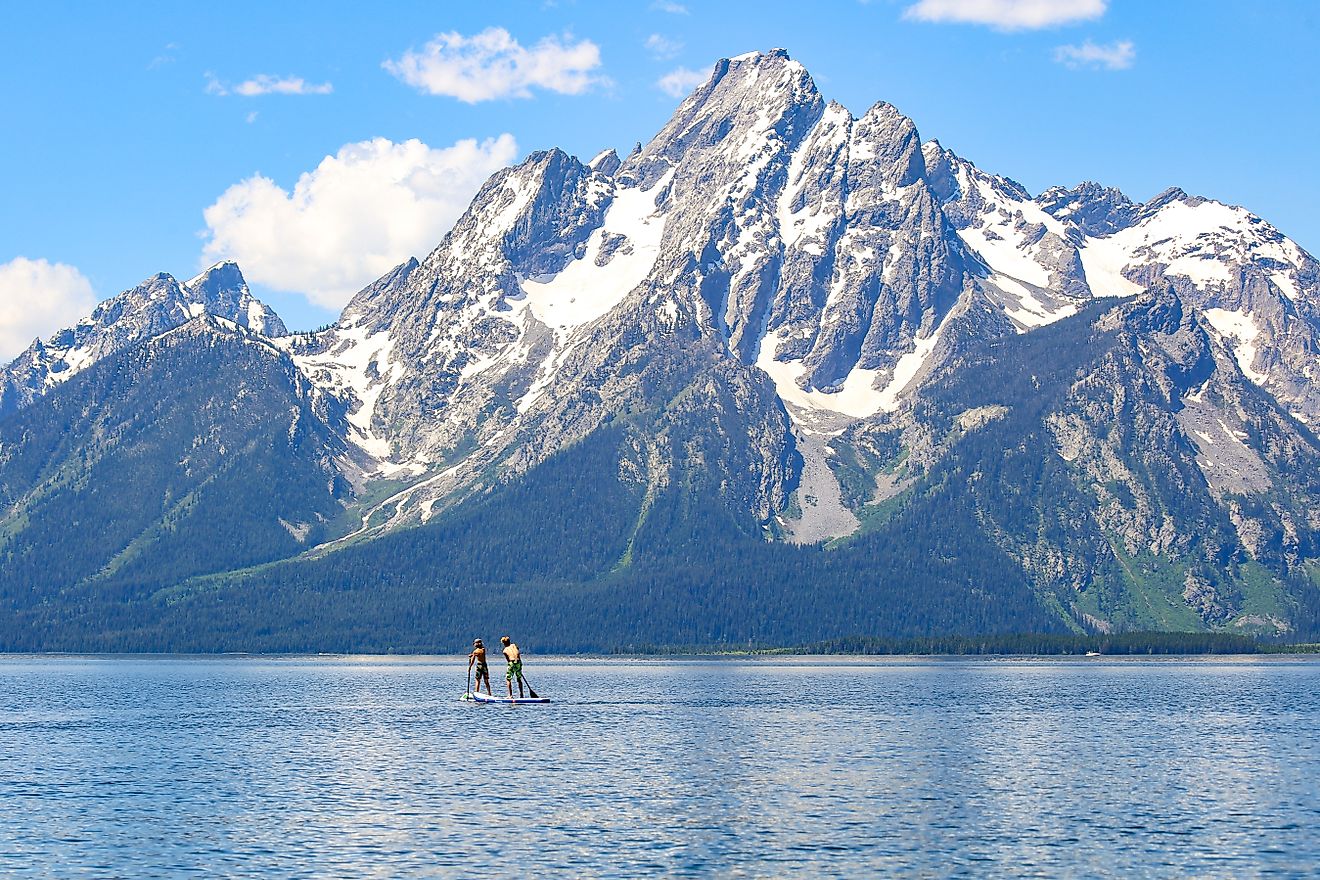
x: 1135, y: 643
x: 540, y: 556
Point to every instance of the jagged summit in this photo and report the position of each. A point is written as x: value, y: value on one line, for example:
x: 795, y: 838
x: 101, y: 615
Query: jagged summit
x: 743, y: 98
x: 223, y: 272
x: 1092, y: 209
x: 223, y: 291
x: 606, y: 162
x: 160, y: 303
x: 756, y: 56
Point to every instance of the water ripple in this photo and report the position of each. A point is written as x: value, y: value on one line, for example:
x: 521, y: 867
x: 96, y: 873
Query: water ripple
x: 355, y: 767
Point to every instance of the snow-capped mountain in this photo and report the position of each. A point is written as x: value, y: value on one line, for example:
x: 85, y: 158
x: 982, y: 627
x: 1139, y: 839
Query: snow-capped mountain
x: 828, y: 251
x: 158, y: 304
x: 804, y: 325
x: 795, y: 239
x: 1252, y: 283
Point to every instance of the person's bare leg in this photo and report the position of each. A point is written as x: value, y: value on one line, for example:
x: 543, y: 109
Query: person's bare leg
x: 520, y: 686
x: 509, y: 682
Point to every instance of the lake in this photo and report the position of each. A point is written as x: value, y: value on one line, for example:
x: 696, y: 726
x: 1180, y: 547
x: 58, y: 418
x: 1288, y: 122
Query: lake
x: 838, y: 767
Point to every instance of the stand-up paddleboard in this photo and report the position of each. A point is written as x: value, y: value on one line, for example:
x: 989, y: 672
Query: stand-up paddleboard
x: 483, y: 698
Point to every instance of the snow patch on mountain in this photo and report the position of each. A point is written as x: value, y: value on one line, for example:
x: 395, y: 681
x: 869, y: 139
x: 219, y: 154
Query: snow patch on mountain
x: 1183, y: 236
x: 619, y: 255
x: 1240, y: 332
x: 1104, y: 261
x: 358, y: 368
x: 258, y: 317
x: 800, y: 219
x: 857, y: 395
x: 1030, y: 312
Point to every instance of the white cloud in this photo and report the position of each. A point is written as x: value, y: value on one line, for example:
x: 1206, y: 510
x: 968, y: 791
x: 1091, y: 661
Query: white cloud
x: 1118, y: 55
x: 662, y: 48
x: 492, y: 64
x: 359, y: 213
x: 679, y: 81
x: 670, y: 7
x: 265, y: 84
x: 166, y: 57
x: 37, y: 298
x: 1007, y: 15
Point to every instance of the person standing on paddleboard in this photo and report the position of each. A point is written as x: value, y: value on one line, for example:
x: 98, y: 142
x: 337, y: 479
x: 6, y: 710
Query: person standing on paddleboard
x: 514, y: 656
x: 478, y: 657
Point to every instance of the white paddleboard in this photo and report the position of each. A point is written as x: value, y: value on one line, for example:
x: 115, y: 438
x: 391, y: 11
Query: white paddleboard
x: 483, y: 698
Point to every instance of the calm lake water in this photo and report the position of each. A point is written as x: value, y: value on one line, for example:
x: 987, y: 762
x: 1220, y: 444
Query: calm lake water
x: 357, y: 767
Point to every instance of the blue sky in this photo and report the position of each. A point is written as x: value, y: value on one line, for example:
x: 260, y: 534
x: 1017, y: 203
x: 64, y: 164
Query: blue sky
x: 158, y: 136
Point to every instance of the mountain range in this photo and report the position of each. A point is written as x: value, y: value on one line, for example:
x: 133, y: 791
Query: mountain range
x: 781, y: 374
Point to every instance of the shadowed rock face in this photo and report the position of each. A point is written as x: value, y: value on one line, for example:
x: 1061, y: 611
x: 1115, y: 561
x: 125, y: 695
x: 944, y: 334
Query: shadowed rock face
x: 776, y: 298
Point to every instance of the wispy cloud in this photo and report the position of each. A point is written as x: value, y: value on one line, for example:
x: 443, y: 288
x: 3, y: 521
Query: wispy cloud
x: 349, y: 220
x: 1009, y: 15
x: 669, y: 6
x: 265, y: 84
x: 165, y: 57
x: 38, y: 297
x: 662, y: 48
x: 1118, y: 55
x: 492, y: 64
x: 679, y: 81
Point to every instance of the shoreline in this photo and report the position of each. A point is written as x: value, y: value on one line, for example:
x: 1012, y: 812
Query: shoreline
x: 1306, y: 653
x: 1133, y: 644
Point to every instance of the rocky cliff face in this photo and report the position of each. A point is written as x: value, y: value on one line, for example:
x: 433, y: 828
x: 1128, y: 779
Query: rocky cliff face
x: 816, y: 320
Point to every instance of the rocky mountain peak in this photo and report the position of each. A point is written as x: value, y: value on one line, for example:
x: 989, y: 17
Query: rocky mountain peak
x: 745, y: 100
x: 160, y: 303
x: 953, y: 179
x: 222, y: 290
x: 372, y: 303
x: 606, y: 162
x: 1167, y: 197
x: 224, y: 276
x: 1090, y: 208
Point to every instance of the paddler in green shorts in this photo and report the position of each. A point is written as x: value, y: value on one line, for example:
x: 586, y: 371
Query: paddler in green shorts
x: 514, y: 656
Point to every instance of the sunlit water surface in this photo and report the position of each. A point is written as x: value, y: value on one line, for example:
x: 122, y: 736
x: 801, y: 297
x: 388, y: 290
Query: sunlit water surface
x: 355, y: 767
